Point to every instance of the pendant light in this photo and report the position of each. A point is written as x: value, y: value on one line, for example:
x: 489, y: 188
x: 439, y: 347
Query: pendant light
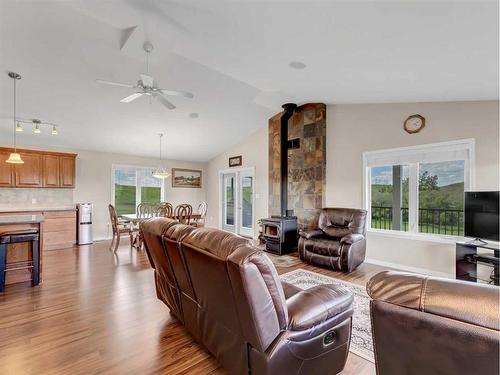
x: 161, y: 172
x: 15, y: 157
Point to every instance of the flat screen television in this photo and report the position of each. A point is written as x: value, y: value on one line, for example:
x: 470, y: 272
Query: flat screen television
x: 481, y: 215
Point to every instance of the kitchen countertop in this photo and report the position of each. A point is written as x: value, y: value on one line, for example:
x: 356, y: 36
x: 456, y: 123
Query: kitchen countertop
x: 21, y: 219
x: 35, y: 208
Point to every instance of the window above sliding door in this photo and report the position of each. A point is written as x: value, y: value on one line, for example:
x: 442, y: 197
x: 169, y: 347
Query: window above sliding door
x: 419, y: 189
x: 133, y: 185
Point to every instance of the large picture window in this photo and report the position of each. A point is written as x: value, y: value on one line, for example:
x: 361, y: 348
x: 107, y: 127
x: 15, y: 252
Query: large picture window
x: 419, y: 189
x: 134, y: 185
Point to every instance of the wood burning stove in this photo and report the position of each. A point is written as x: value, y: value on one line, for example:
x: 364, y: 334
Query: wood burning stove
x: 280, y: 232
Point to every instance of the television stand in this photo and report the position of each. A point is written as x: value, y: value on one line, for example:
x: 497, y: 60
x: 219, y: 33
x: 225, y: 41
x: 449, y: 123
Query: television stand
x: 477, y: 242
x: 470, y: 254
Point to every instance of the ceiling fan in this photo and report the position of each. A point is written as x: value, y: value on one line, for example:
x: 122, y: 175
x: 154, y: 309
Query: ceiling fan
x: 146, y: 85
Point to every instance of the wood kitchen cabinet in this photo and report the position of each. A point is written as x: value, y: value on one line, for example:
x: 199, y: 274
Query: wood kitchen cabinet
x: 67, y: 171
x: 51, y: 171
x: 29, y: 174
x: 6, y: 170
x: 40, y: 169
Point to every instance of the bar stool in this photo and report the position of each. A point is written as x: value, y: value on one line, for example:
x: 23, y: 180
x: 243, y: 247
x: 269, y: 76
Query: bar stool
x: 19, y: 236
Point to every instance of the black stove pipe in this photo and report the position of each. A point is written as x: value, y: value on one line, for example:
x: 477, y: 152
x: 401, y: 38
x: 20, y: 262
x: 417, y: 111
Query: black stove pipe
x: 289, y: 109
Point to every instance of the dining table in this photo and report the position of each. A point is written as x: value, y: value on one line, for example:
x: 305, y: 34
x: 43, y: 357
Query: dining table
x: 136, y: 219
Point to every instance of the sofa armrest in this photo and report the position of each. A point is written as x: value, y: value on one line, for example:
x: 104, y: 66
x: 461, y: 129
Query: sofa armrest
x: 316, y: 305
x: 308, y: 234
x: 352, y: 238
x: 464, y: 301
x: 289, y: 289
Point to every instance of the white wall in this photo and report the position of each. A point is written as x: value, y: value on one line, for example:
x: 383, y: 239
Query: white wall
x: 352, y: 129
x: 93, y: 184
x: 254, y: 151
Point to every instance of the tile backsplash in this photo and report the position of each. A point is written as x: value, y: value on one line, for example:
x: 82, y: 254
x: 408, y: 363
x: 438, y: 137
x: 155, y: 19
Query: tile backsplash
x: 36, y: 196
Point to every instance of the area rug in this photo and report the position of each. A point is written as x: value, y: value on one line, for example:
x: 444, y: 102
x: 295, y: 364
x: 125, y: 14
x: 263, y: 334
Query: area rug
x: 361, y: 337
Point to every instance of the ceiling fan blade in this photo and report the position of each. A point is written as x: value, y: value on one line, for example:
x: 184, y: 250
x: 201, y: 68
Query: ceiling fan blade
x: 103, y: 81
x: 147, y: 81
x: 164, y: 101
x: 185, y: 94
x: 129, y: 98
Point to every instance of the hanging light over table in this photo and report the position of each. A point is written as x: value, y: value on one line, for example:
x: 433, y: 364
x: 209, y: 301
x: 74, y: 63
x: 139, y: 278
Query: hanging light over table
x: 161, y: 172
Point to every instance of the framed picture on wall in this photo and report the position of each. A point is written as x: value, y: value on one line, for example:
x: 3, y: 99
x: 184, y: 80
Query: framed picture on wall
x: 235, y: 161
x: 186, y: 178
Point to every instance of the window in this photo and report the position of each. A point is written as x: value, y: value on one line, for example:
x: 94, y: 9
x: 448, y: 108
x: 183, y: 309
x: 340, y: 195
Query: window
x: 419, y: 189
x: 134, y: 185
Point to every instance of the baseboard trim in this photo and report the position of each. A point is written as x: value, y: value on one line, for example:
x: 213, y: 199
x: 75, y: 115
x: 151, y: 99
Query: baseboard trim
x: 403, y: 267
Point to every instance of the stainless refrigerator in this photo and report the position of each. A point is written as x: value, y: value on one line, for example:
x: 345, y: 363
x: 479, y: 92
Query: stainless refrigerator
x: 84, y: 223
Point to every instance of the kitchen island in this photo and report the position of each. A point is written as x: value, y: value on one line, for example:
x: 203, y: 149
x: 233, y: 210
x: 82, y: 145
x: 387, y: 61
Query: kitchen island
x: 19, y: 254
x: 57, y: 226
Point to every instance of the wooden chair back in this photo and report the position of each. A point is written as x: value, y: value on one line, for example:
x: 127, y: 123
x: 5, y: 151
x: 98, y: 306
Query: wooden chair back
x: 114, y: 218
x: 202, y: 210
x: 183, y: 213
x: 145, y: 210
x: 166, y: 209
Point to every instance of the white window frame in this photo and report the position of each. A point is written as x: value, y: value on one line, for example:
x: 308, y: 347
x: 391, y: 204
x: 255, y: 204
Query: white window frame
x: 114, y: 167
x: 409, y: 156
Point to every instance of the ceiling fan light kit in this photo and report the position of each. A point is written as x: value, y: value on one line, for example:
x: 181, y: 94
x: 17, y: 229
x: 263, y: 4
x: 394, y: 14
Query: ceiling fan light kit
x: 147, y: 86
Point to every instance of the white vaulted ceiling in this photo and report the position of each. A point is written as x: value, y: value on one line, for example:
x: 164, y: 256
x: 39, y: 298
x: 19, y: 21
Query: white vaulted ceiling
x: 233, y: 55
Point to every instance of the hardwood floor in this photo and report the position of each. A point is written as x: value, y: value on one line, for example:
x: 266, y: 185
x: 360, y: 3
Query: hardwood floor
x: 97, y: 313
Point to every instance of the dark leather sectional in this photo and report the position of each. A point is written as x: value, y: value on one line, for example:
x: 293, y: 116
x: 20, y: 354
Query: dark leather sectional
x: 228, y: 296
x: 339, y: 242
x: 427, y: 325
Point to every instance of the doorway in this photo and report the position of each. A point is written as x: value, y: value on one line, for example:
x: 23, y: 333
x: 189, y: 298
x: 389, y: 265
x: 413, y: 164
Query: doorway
x: 237, y: 200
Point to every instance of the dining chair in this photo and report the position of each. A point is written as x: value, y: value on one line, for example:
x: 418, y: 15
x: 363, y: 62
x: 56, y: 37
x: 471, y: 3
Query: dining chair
x: 183, y: 213
x: 119, y: 228
x: 166, y: 209
x: 202, y: 211
x: 144, y: 210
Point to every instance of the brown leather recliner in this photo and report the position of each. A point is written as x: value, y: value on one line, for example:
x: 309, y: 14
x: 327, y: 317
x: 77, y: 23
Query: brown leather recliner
x: 427, y: 325
x: 228, y: 295
x: 339, y: 242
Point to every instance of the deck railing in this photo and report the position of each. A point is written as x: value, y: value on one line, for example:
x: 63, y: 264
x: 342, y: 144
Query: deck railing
x: 430, y: 220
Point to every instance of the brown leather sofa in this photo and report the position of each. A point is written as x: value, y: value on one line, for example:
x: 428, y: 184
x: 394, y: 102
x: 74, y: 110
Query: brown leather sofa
x: 426, y: 325
x: 339, y: 242
x: 228, y: 295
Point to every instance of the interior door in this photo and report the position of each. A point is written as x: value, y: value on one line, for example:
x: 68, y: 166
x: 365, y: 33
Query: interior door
x: 237, y: 202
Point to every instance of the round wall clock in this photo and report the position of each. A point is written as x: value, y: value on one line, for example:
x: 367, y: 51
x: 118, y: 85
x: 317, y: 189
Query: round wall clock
x: 414, y: 123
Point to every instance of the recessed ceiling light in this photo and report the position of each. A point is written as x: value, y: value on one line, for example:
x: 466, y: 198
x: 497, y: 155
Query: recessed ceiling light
x: 297, y: 65
x: 194, y: 115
